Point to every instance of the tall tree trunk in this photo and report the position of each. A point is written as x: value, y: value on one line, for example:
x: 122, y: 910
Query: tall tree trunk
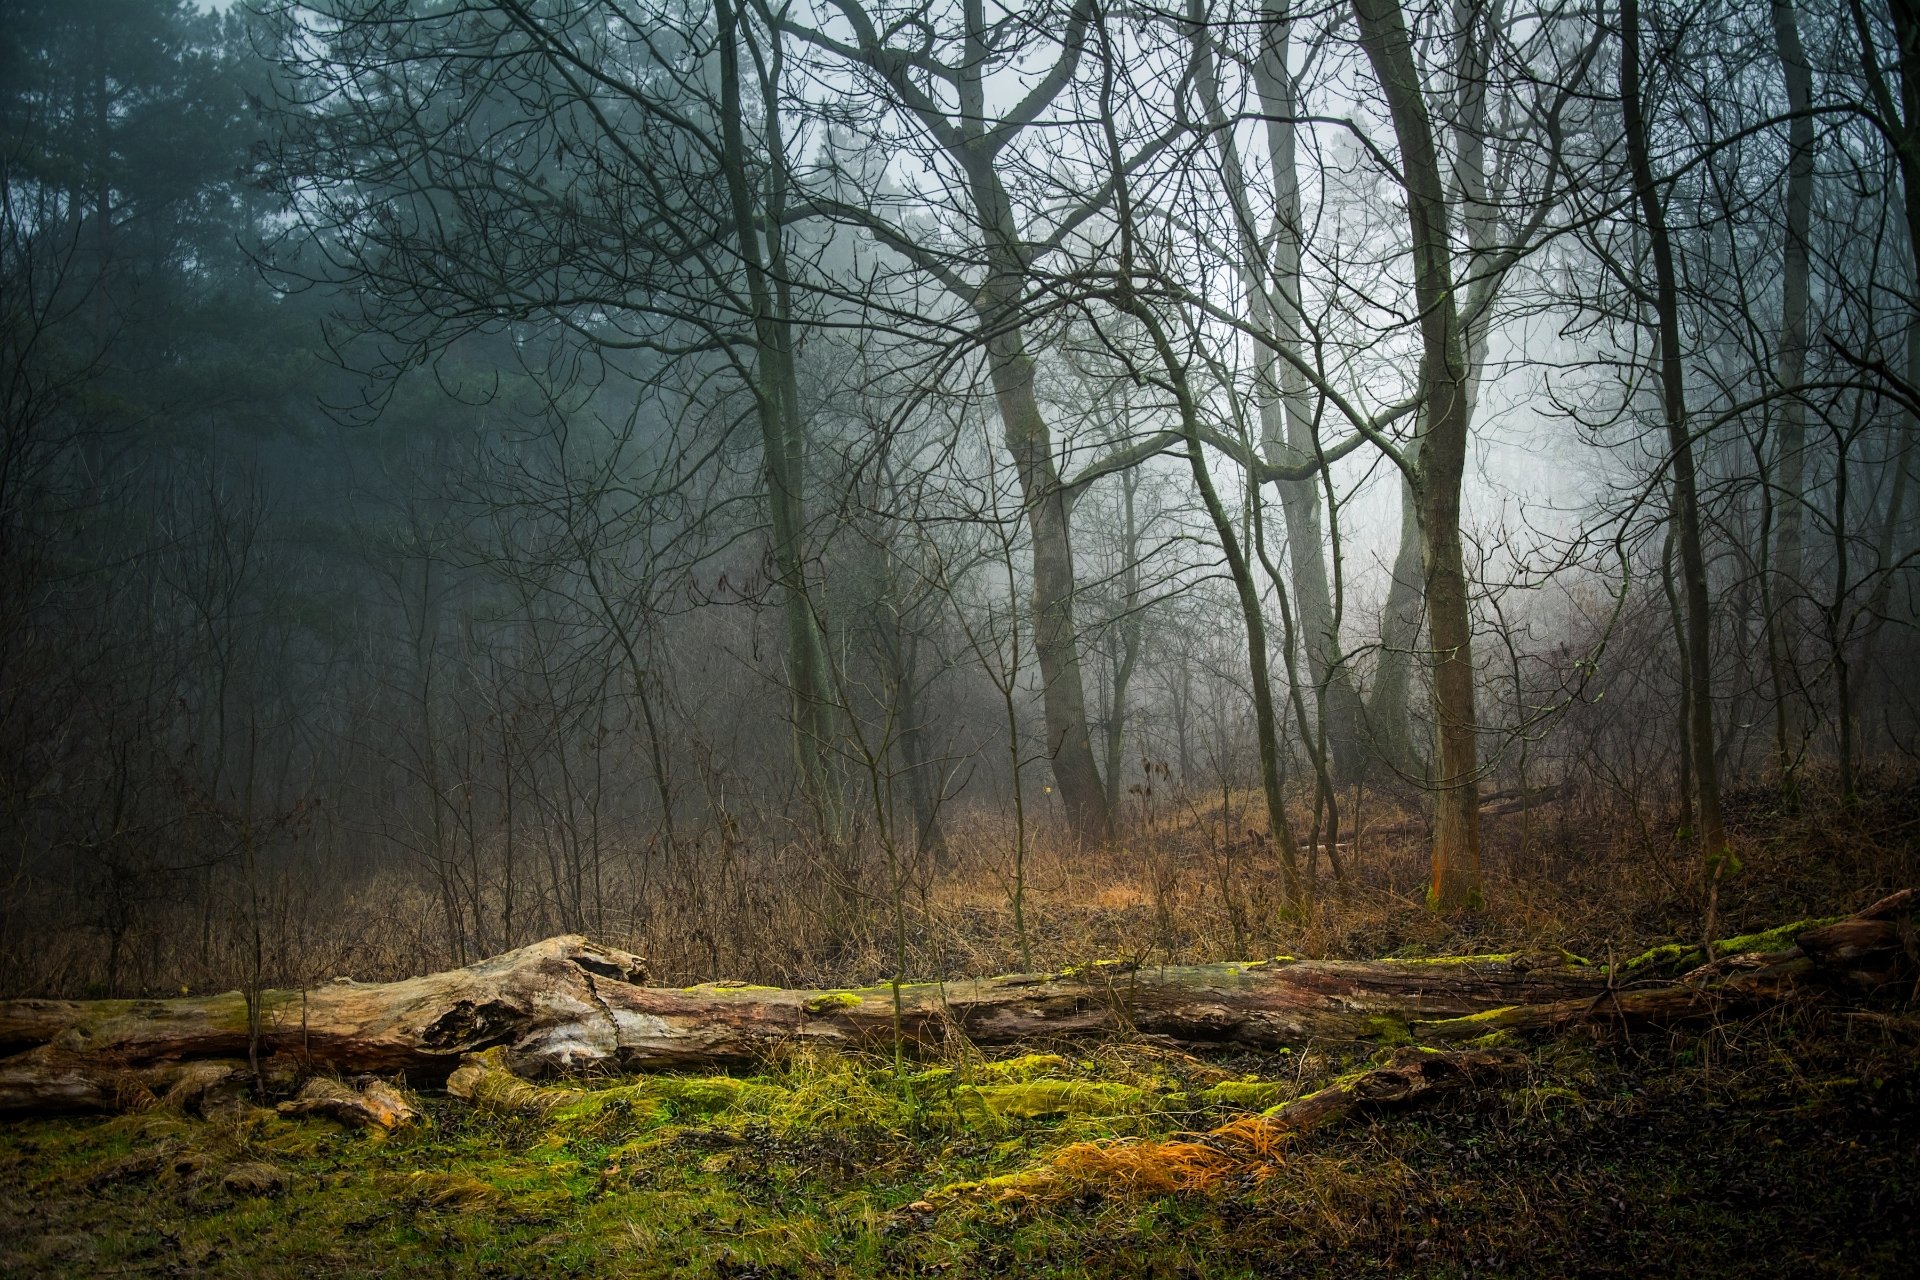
x: 1389, y: 706
x: 1055, y: 635
x: 1790, y: 370
x: 782, y: 432
x: 997, y: 300
x: 1056, y: 640
x: 1445, y: 390
x: 1127, y: 660
x: 1686, y: 500
x: 1287, y: 420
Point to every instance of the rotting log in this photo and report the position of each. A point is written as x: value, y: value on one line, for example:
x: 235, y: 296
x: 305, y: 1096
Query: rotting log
x: 374, y: 1105
x: 1413, y: 1076
x: 568, y: 1005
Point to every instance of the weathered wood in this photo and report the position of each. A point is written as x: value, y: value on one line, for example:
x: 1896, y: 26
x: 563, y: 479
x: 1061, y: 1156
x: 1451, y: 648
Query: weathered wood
x: 1413, y: 1076
x: 566, y: 1005
x: 374, y: 1105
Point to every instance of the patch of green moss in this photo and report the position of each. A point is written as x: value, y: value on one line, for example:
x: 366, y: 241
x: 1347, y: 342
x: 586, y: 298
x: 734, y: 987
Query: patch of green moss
x: 1682, y: 955
x: 1387, y: 1029
x: 1034, y: 1099
x: 1505, y: 957
x: 826, y: 1164
x: 1030, y: 1066
x: 1472, y: 1025
x: 1249, y: 1095
x: 1098, y: 969
x: 831, y: 1002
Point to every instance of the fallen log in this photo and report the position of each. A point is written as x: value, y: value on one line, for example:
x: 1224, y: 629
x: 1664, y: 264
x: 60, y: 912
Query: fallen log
x: 569, y: 1005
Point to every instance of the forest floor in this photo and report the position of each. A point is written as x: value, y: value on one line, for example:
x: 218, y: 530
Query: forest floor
x: 1788, y: 1146
x: 1785, y: 1144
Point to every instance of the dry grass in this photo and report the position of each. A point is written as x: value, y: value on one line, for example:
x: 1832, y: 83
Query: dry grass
x: 1194, y: 881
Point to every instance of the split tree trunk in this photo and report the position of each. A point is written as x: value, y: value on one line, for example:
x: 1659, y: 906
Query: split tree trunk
x: 566, y: 1004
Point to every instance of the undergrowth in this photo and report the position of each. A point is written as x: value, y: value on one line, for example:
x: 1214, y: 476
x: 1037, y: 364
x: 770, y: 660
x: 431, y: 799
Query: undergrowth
x: 1186, y: 882
x: 1786, y: 1146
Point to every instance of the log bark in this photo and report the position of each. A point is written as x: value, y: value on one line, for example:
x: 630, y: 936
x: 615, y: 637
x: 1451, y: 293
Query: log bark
x: 568, y: 1005
x: 374, y: 1105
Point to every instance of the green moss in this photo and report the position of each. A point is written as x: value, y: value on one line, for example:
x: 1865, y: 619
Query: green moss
x: 1034, y: 1099
x: 826, y: 1164
x: 1097, y: 969
x: 1505, y: 957
x: 1780, y: 938
x: 1670, y: 953
x: 1026, y: 1067
x: 1681, y: 955
x: 1387, y: 1029
x: 1249, y: 1095
x: 1473, y: 1025
x: 831, y: 1002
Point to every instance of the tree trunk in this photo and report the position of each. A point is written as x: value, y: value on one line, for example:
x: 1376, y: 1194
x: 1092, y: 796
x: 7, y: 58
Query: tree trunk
x: 1056, y: 641
x: 1686, y: 501
x: 783, y: 446
x: 1790, y: 450
x: 1389, y: 707
x: 1129, y: 633
x: 1286, y: 423
x: 566, y: 1004
x: 1446, y: 385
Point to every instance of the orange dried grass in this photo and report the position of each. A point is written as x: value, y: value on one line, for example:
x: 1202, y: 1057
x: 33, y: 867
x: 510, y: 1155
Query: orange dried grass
x: 1145, y: 1168
x: 1260, y: 1136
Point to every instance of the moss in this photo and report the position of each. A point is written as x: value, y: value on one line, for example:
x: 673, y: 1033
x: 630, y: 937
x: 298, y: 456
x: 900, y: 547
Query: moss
x: 423, y: 1189
x: 1682, y: 955
x: 828, y: 1002
x: 1097, y: 969
x: 1780, y: 938
x: 1473, y: 1025
x: 1505, y: 957
x: 1034, y: 1099
x: 1026, y: 1067
x: 1492, y: 1040
x: 1387, y: 1029
x: 821, y: 1163
x: 1249, y: 1095
x: 1661, y: 956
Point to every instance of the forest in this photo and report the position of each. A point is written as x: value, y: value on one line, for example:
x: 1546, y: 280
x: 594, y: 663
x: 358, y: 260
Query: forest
x: 776, y: 638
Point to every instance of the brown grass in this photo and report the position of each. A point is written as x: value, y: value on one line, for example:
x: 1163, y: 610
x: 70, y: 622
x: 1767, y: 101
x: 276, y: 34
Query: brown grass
x: 1193, y: 882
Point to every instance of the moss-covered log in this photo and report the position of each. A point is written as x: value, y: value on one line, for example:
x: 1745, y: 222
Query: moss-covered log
x: 567, y: 1004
